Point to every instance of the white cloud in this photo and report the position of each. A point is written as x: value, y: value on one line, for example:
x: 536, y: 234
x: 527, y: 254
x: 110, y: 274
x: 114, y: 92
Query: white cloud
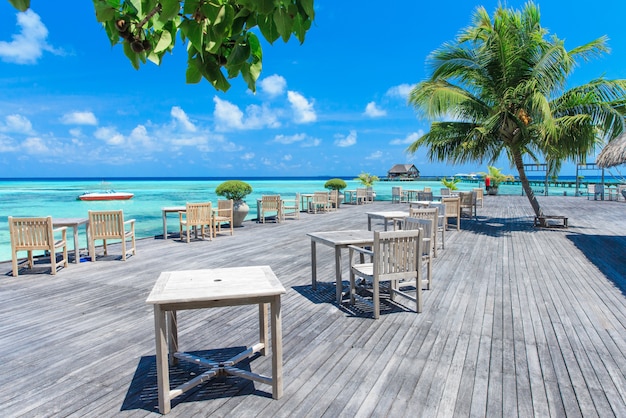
x: 76, y: 132
x: 248, y: 156
x: 79, y: 118
x: 373, y: 111
x: 181, y: 117
x: 17, y: 124
x: 228, y: 116
x: 35, y: 146
x: 345, y: 141
x: 401, y: 91
x: 109, y: 136
x: 7, y: 144
x: 28, y: 45
x: 409, y: 139
x: 376, y: 155
x: 302, y: 109
x: 273, y: 85
x: 313, y: 142
x: 139, y: 136
x: 289, y: 139
x: 287, y: 157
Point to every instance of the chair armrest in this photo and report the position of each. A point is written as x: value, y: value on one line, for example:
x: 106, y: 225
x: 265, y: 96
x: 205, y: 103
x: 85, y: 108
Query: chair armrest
x: 361, y: 250
x: 59, y: 229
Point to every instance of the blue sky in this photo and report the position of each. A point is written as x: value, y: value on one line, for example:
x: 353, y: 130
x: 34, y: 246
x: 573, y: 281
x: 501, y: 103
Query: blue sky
x: 71, y: 105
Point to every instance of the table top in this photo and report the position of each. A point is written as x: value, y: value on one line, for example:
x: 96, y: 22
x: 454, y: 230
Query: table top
x: 215, y: 284
x: 389, y: 214
x: 69, y: 221
x: 342, y: 238
x: 173, y: 208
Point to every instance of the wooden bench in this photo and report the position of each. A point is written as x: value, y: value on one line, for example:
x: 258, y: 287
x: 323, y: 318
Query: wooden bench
x: 542, y: 221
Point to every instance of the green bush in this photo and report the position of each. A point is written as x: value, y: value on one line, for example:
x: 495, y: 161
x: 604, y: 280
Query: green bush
x: 234, y: 189
x: 335, y: 184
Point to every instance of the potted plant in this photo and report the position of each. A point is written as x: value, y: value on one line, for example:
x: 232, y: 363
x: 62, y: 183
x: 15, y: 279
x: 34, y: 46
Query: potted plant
x: 336, y: 184
x: 368, y: 180
x: 450, y: 184
x: 493, y: 178
x: 236, y: 190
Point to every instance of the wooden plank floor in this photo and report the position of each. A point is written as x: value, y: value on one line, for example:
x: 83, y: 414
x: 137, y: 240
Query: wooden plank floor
x: 520, y: 321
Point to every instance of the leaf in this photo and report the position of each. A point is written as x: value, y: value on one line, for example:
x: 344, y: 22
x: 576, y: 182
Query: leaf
x: 169, y: 10
x: 307, y: 6
x: 284, y: 23
x: 224, y: 20
x: 165, y: 41
x: 193, y: 74
x: 21, y: 5
x: 265, y: 7
x: 132, y: 55
x: 268, y: 28
x: 239, y: 54
x: 104, y: 11
x: 192, y: 31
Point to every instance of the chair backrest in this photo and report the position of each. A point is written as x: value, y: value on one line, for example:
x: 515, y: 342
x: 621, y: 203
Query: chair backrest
x: 453, y: 206
x: 467, y: 199
x: 270, y: 202
x: 426, y: 225
x: 479, y: 193
x: 199, y: 213
x: 293, y: 203
x: 427, y: 189
x: 441, y: 210
x: 444, y: 191
x: 396, y: 191
x: 225, y: 207
x: 31, y: 233
x: 426, y: 196
x: 361, y: 193
x: 106, y: 224
x: 334, y: 196
x: 397, y: 254
x: 320, y: 197
x: 424, y: 213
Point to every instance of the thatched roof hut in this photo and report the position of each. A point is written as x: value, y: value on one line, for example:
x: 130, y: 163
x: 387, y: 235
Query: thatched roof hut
x: 614, y: 153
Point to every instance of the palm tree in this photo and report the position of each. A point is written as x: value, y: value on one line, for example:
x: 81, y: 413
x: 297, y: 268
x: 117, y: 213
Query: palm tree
x: 499, y: 88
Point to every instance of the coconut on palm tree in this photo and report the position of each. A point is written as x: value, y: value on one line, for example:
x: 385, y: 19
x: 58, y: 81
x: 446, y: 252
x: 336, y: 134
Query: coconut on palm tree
x: 500, y: 89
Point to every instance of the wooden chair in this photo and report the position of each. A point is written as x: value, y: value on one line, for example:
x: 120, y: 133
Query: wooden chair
x: 223, y: 213
x: 109, y: 224
x: 468, y: 201
x: 396, y: 194
x: 431, y: 214
x: 291, y: 207
x: 441, y: 224
x: 361, y: 196
x: 453, y: 210
x: 196, y: 215
x: 333, y: 200
x: 319, y: 202
x: 425, y: 196
x: 369, y: 198
x: 396, y: 259
x: 36, y: 234
x: 444, y: 191
x: 480, y: 196
x: 271, y: 204
x: 428, y: 236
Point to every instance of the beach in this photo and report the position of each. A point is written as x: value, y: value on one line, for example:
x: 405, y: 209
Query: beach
x: 57, y: 197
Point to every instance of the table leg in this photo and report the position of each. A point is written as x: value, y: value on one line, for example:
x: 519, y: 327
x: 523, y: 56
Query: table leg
x: 313, y: 266
x: 277, y: 349
x: 172, y: 334
x: 164, y: 225
x: 163, y: 378
x: 369, y: 223
x: 76, y: 245
x: 263, y: 335
x: 385, y: 219
x: 338, y: 282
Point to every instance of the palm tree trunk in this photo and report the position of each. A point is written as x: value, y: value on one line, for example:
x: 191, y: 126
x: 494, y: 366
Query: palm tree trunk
x: 519, y: 164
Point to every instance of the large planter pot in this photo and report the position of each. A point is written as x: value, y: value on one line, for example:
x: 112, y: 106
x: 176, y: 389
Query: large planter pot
x: 240, y: 211
x: 492, y: 191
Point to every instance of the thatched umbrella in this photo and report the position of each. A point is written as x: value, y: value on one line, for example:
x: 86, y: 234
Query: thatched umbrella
x: 614, y: 153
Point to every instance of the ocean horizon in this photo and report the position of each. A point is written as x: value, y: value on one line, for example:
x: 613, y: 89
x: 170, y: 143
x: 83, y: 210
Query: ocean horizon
x: 57, y: 197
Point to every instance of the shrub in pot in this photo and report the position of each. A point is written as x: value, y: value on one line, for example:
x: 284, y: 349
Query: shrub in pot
x: 236, y: 190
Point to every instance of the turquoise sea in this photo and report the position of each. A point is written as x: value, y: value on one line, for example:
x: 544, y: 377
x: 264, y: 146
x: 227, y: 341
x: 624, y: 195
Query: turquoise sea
x: 57, y: 197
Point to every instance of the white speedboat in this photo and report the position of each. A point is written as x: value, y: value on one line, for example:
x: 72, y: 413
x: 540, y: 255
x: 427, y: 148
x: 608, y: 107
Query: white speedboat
x: 105, y: 195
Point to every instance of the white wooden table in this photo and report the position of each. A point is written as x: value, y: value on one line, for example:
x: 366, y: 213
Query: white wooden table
x: 337, y: 240
x: 165, y: 211
x: 386, y: 216
x: 194, y: 289
x: 74, y: 223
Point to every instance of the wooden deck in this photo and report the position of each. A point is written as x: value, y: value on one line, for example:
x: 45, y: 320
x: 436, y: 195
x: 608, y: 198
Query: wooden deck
x: 520, y: 321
